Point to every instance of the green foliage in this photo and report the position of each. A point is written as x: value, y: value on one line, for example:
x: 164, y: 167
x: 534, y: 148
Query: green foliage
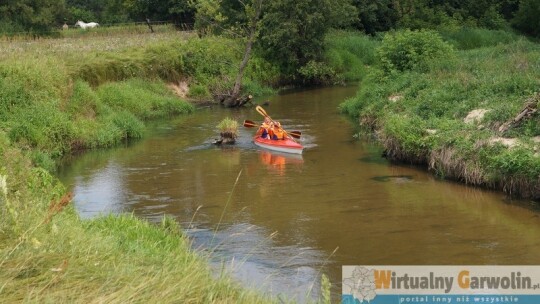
x: 292, y: 32
x: 262, y: 71
x: 492, y: 19
x: 383, y: 15
x: 210, y: 64
x: 130, y: 126
x: 359, y: 45
x: 466, y: 38
x: 38, y: 17
x: 375, y: 16
x: 518, y: 162
x: 526, y: 19
x: 325, y: 290
x: 348, y: 53
x: 255, y: 88
x: 42, y: 112
x: 118, y: 11
x: 318, y: 73
x: 419, y: 116
x: 411, y: 50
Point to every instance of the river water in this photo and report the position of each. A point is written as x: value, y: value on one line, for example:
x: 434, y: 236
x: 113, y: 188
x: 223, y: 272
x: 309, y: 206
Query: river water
x: 277, y: 222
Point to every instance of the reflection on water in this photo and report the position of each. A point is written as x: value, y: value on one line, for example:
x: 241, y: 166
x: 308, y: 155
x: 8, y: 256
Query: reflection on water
x: 289, y: 271
x: 279, y: 162
x: 375, y: 212
x: 100, y: 192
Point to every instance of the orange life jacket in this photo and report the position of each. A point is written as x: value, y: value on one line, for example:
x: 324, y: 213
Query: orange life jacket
x: 279, y: 133
x: 263, y: 127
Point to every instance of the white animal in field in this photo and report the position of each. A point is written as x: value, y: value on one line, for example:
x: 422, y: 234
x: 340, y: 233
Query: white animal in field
x: 84, y: 25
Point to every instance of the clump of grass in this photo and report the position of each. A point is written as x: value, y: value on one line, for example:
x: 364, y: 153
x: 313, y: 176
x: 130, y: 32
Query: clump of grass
x: 228, y: 128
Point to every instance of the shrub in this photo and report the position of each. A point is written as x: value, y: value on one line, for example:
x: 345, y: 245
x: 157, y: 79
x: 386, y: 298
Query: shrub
x: 315, y: 72
x: 409, y: 50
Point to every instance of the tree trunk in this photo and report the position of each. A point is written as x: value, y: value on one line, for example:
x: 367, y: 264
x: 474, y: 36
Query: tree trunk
x: 233, y: 100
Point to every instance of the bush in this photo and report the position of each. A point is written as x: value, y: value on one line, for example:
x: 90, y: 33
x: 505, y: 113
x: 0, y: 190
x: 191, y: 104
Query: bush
x: 318, y: 73
x: 411, y: 50
x: 526, y: 19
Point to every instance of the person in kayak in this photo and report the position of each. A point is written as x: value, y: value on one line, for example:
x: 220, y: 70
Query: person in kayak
x: 265, y: 128
x: 277, y: 132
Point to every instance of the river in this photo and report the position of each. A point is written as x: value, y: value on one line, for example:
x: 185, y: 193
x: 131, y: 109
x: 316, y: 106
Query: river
x: 277, y: 222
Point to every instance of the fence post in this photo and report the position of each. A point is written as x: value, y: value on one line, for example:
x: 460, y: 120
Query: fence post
x: 149, y: 25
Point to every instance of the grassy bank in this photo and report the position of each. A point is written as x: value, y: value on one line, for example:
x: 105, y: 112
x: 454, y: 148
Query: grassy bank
x: 58, y: 96
x: 424, y: 111
x: 57, y: 101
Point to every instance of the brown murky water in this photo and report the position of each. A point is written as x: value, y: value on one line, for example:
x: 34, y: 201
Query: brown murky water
x: 339, y: 193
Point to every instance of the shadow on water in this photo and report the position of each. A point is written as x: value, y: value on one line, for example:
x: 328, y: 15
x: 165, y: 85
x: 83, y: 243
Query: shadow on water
x: 393, y: 178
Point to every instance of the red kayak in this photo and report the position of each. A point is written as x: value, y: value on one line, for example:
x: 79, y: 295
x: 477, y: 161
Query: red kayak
x: 280, y: 145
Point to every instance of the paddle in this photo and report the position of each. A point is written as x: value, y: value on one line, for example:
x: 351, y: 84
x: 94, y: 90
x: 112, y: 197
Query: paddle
x: 251, y: 124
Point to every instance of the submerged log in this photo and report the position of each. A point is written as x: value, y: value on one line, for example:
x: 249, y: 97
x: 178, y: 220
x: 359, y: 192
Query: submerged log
x: 227, y: 138
x: 231, y: 102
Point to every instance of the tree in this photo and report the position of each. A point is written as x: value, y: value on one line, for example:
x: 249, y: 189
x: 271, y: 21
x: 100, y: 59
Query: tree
x: 375, y: 16
x: 292, y: 31
x: 181, y: 11
x: 526, y: 19
x: 253, y: 12
x: 36, y: 16
x: 239, y: 18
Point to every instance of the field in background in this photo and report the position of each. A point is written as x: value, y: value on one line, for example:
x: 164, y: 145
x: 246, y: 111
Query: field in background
x: 73, y: 43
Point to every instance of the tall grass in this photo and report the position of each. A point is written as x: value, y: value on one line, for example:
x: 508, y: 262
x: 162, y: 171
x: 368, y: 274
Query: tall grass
x: 419, y: 116
x: 48, y: 255
x: 466, y: 38
x: 348, y: 54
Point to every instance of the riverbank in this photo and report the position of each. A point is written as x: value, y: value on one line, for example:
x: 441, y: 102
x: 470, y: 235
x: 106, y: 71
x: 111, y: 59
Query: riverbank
x: 468, y: 115
x: 62, y: 96
x: 84, y: 94
x: 47, y: 254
